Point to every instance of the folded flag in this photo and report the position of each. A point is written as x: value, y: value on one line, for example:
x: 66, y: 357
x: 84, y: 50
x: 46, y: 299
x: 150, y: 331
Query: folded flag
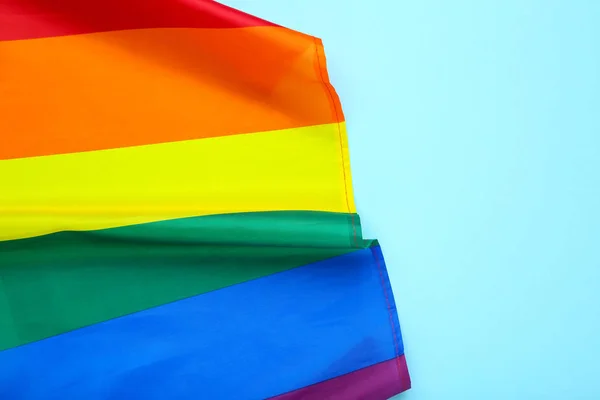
x: 176, y: 215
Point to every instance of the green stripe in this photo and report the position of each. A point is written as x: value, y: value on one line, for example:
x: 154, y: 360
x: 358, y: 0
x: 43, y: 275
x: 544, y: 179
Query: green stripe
x: 63, y: 281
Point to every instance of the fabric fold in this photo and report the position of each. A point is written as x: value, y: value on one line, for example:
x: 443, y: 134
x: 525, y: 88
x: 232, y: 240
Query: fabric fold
x: 177, y: 216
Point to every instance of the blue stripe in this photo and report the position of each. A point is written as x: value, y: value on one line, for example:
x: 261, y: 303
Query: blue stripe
x: 249, y: 341
x: 390, y: 301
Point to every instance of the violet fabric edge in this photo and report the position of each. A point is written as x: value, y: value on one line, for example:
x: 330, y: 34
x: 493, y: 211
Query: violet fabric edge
x: 376, y: 382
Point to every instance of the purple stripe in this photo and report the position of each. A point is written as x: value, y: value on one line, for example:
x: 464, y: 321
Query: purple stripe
x: 377, y: 382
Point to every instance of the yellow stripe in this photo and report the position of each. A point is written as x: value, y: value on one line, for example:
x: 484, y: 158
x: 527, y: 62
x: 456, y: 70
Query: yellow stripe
x: 292, y: 169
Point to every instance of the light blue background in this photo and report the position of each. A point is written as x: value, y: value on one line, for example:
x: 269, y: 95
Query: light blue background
x: 475, y: 142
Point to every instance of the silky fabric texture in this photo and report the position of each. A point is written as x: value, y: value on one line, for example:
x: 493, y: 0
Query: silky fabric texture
x: 177, y: 217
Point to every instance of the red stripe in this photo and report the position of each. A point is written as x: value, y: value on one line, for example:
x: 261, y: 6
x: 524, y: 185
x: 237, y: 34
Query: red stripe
x: 377, y: 382
x: 30, y: 19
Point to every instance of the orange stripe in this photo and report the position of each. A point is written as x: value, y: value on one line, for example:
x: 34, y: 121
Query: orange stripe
x: 118, y: 89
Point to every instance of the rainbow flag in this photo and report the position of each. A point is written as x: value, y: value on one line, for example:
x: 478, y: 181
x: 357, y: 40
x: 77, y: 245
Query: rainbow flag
x: 177, y: 218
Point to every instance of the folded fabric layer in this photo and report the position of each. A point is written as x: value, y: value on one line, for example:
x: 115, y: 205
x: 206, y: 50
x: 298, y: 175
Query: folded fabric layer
x: 296, y: 169
x: 177, y: 218
x: 136, y: 87
x: 316, y: 322
x: 30, y: 19
x: 377, y: 382
x: 94, y: 276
